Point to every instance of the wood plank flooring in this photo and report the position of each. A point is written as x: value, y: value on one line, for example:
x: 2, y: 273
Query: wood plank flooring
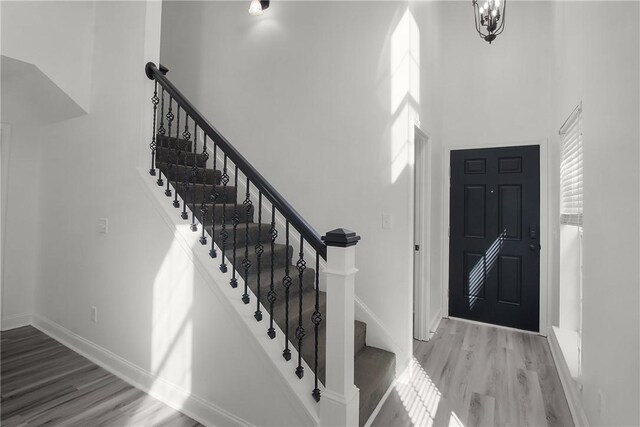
x: 478, y: 375
x: 45, y: 383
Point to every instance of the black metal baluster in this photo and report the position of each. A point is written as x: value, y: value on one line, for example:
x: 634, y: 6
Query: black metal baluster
x: 286, y: 282
x: 271, y: 296
x: 203, y: 205
x: 224, y: 234
x: 301, y: 265
x: 259, y: 252
x: 214, y: 198
x: 161, y: 132
x: 173, y: 161
x: 176, y: 203
x: 316, y: 318
x: 186, y: 179
x: 235, y: 221
x: 195, y: 172
x: 246, y: 263
x: 154, y: 100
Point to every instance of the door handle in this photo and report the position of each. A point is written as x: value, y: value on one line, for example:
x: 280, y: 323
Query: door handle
x: 534, y: 247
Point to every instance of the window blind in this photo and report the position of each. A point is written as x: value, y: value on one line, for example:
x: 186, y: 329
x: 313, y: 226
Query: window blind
x: 571, y: 190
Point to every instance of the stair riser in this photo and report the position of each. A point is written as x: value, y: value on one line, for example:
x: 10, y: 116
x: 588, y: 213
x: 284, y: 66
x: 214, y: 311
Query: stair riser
x: 173, y: 143
x: 308, y: 307
x: 308, y: 343
x: 165, y: 155
x: 307, y: 284
x: 279, y: 260
x: 360, y: 337
x: 241, y: 236
x: 179, y: 171
x: 243, y: 215
x: 204, y: 194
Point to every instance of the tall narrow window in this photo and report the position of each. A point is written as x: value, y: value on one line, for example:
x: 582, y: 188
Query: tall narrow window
x: 569, y: 333
x: 571, y: 169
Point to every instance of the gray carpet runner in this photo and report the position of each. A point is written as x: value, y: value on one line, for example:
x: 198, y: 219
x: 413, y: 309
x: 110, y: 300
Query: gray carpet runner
x: 374, y: 368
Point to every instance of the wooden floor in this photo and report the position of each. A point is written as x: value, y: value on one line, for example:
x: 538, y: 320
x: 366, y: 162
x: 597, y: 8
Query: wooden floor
x: 45, y: 383
x: 477, y: 375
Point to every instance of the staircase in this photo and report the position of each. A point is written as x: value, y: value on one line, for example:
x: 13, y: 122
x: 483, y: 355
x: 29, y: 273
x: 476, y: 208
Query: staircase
x: 244, y: 231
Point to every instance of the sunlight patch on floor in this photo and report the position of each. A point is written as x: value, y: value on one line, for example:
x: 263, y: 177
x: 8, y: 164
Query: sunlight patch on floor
x: 419, y: 394
x: 421, y: 398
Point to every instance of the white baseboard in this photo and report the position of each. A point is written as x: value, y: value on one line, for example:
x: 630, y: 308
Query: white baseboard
x: 435, y: 324
x: 568, y: 383
x: 200, y: 410
x: 15, y: 321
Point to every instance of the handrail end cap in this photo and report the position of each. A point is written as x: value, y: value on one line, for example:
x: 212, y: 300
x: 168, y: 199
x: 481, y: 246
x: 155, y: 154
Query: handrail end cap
x: 148, y: 70
x: 340, y: 237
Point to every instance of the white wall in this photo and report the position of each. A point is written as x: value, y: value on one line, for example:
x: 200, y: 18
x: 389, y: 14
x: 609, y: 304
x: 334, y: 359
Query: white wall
x: 321, y: 97
x: 56, y: 36
x: 155, y: 311
x: 602, y: 72
x: 47, y: 49
x: 21, y: 207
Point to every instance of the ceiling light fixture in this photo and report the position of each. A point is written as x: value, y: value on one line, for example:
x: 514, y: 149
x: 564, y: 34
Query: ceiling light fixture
x: 490, y: 18
x: 258, y: 6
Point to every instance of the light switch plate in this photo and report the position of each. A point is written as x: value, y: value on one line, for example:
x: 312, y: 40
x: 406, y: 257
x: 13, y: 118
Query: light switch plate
x: 387, y: 221
x: 103, y: 225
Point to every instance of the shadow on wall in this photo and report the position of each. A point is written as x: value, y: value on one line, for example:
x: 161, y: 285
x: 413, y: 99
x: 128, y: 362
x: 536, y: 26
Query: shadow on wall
x: 30, y: 97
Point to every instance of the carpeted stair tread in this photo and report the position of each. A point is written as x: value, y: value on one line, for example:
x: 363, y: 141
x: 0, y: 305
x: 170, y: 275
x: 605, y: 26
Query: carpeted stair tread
x: 203, y: 193
x: 308, y: 281
x: 173, y: 143
x: 170, y: 170
x: 279, y: 258
x: 216, y: 210
x: 308, y: 307
x: 374, y: 372
x: 241, y: 236
x: 168, y: 155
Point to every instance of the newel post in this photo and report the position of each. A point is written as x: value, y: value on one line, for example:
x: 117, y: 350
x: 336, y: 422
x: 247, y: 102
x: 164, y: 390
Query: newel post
x: 339, y: 404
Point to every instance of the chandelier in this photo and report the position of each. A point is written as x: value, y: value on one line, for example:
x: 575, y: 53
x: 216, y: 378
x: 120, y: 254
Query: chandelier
x: 489, y: 18
x: 258, y: 6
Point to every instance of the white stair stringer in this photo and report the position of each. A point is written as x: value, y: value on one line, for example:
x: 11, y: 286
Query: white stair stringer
x: 270, y: 349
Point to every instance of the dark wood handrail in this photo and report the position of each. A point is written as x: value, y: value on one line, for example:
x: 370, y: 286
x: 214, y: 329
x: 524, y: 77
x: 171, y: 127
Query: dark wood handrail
x: 296, y: 220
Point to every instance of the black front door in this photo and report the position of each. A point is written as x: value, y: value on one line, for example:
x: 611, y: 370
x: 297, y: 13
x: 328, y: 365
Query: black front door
x: 494, y: 246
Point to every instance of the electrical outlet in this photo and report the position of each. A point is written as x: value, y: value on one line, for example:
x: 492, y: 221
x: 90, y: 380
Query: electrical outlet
x: 103, y: 225
x: 387, y: 221
x: 94, y: 314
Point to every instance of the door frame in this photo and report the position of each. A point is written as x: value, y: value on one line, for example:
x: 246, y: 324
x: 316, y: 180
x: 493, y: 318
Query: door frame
x: 421, y: 232
x: 545, y: 238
